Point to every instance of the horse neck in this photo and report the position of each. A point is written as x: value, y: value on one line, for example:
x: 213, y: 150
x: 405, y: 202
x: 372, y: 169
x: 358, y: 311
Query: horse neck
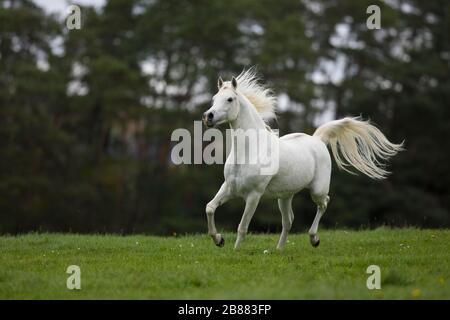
x: 247, y: 120
x: 248, y: 117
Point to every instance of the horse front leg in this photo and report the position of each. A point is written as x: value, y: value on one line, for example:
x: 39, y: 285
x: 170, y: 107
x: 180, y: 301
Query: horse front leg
x: 222, y: 196
x: 250, y: 206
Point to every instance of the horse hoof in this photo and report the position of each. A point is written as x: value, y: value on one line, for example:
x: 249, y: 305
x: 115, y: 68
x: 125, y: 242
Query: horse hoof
x: 315, y: 240
x: 219, y: 240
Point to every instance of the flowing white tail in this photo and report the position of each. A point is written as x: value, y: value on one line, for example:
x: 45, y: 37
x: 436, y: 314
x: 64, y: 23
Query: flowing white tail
x: 358, y: 144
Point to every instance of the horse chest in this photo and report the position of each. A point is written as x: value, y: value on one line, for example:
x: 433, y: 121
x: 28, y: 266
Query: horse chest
x: 243, y: 179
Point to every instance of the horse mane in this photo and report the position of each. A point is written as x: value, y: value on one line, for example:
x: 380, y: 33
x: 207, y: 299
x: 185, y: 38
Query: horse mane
x: 261, y: 98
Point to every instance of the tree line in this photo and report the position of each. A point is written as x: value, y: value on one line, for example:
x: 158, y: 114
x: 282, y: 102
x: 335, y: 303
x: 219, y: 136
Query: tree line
x: 86, y: 115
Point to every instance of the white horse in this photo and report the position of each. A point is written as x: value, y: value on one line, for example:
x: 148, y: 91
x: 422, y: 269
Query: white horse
x: 303, y: 160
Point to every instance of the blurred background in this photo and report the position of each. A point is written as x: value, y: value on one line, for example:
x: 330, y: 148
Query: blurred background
x: 86, y: 115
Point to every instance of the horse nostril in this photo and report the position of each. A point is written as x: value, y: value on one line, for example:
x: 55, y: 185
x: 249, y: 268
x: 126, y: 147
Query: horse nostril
x: 210, y: 116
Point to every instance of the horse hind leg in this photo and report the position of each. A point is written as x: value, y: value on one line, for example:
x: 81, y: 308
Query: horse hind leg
x: 322, y: 203
x: 287, y: 218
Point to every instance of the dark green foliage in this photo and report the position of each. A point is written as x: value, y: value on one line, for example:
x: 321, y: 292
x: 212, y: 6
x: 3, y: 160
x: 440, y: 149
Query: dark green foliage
x: 85, y: 132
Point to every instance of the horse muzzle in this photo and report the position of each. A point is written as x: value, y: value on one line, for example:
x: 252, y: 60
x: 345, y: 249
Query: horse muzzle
x: 208, y: 119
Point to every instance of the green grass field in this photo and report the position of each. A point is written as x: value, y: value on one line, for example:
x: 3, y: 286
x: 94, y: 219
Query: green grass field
x: 415, y: 264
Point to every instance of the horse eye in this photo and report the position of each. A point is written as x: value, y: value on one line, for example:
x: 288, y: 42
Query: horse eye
x: 230, y: 99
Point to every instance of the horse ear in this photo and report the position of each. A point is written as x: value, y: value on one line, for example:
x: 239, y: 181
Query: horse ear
x: 234, y: 83
x: 219, y: 83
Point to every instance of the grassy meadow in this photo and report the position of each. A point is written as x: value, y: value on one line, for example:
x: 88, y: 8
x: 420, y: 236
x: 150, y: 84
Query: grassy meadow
x: 415, y: 264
